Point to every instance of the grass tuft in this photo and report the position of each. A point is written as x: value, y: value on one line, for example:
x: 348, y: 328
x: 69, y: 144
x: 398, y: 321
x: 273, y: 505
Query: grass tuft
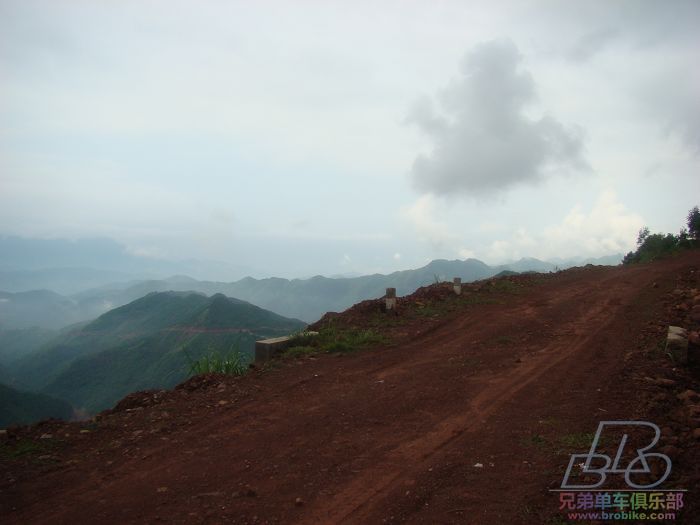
x: 331, y: 339
x: 233, y: 363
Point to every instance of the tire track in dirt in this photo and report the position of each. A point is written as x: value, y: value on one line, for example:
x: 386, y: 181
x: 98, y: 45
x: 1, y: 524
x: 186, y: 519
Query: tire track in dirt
x: 357, y: 501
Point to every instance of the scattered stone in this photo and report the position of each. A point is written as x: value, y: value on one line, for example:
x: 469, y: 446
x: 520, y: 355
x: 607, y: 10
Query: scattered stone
x: 478, y: 465
x: 3, y: 432
x: 84, y: 431
x: 695, y: 313
x: 694, y: 338
x: 662, y: 381
x: 223, y: 402
x: 299, y: 502
x: 46, y: 436
x: 671, y: 451
x: 693, y: 409
x: 162, y: 489
x: 688, y: 396
x: 667, y: 431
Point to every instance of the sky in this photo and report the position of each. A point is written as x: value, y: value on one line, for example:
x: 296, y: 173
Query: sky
x: 349, y: 137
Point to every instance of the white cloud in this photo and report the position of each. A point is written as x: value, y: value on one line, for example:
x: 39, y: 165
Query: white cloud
x: 607, y: 228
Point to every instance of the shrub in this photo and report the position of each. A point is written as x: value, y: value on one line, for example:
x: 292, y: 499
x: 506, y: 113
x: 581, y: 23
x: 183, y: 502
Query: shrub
x: 652, y: 246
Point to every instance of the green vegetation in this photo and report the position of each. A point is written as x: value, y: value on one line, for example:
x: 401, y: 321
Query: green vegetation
x: 506, y: 286
x: 579, y: 441
x: 653, y: 246
x: 17, y: 343
x: 25, y: 407
x: 505, y: 340
x: 331, y: 339
x: 233, y: 362
x: 29, y: 450
x: 557, y: 519
x: 693, y: 222
x: 301, y: 351
x: 536, y: 440
x: 22, y: 448
x: 149, y: 343
x: 433, y: 309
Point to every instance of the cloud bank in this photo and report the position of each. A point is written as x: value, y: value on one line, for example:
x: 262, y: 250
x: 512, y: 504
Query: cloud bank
x: 484, y: 142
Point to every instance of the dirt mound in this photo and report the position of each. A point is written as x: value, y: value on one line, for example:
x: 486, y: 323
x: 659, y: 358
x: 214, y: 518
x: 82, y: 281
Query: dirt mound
x: 438, y: 297
x: 141, y: 399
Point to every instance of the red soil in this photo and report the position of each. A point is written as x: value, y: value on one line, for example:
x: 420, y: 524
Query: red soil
x: 506, y: 376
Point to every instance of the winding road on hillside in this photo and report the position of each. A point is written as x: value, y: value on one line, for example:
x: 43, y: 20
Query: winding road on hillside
x: 469, y: 419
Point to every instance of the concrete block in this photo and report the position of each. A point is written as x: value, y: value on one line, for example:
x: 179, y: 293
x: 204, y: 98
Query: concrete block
x: 677, y: 330
x: 266, y: 349
x: 677, y: 344
x: 457, y: 285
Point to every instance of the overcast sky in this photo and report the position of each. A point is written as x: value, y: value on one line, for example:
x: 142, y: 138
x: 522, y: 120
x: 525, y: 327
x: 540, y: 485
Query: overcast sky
x: 337, y: 137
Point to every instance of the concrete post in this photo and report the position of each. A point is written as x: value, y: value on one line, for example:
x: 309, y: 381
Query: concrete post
x: 457, y: 286
x: 677, y: 344
x: 390, y: 299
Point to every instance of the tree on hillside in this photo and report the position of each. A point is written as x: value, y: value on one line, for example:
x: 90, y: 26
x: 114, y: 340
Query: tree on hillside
x: 694, y: 223
x: 652, y: 246
x: 643, y: 235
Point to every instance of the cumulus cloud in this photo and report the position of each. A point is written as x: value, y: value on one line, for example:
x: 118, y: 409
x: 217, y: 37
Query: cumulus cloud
x: 608, y: 227
x: 483, y: 140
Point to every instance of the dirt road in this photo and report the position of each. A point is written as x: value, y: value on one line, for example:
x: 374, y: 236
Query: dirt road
x: 469, y: 418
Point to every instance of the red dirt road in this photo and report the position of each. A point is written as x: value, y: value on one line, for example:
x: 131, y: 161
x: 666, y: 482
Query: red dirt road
x: 469, y: 417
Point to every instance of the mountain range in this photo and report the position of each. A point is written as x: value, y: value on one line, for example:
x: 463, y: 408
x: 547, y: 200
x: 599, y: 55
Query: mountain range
x: 306, y: 299
x: 148, y: 343
x: 69, y: 266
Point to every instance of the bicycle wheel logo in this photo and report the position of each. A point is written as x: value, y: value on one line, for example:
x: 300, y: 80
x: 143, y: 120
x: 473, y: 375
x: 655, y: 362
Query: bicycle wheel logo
x: 596, y: 463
